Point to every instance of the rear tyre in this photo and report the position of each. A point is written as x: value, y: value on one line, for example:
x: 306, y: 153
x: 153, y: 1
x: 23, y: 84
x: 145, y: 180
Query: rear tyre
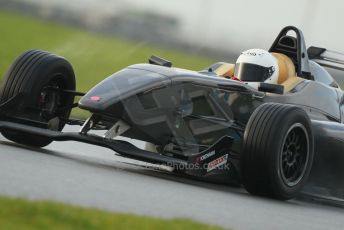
x: 39, y: 76
x: 277, y: 151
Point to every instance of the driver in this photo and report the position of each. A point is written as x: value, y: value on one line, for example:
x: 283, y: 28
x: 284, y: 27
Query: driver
x: 255, y: 66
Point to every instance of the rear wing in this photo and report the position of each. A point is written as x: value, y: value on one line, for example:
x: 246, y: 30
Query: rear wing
x: 326, y: 58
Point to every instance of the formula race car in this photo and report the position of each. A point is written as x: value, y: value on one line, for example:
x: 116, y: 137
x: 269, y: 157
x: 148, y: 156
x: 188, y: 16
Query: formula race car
x: 206, y: 124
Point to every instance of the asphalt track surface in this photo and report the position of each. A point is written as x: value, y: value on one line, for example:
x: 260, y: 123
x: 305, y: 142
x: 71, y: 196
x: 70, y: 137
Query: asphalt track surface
x: 92, y: 176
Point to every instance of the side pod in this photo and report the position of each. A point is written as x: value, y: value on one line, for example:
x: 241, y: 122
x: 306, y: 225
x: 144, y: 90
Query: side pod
x: 327, y: 171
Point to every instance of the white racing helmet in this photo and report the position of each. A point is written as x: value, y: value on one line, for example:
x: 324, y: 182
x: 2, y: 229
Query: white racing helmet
x: 256, y: 65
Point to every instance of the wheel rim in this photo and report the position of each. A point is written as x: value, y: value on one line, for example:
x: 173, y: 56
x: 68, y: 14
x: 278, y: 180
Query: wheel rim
x: 294, y: 155
x: 50, y: 98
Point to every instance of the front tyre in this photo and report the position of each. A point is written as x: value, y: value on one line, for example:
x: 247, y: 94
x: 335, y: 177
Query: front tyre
x: 277, y: 151
x: 41, y: 78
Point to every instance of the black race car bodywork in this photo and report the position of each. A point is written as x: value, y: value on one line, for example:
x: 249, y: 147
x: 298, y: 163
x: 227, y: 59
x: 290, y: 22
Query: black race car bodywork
x: 197, y: 121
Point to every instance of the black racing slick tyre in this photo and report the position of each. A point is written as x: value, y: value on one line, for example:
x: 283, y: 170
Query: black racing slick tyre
x: 277, y: 151
x: 40, y: 78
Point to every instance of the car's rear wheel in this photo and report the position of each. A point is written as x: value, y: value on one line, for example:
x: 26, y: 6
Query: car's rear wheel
x: 277, y: 151
x: 41, y: 79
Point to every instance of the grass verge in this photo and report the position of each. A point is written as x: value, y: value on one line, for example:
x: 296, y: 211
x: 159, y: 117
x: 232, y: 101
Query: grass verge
x: 23, y: 214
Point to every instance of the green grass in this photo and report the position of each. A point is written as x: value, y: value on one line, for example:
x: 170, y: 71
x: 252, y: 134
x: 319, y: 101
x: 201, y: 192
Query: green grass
x: 93, y: 56
x: 23, y: 214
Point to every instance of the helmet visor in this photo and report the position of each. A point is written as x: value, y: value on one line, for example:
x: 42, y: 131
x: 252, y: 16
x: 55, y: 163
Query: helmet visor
x: 252, y: 73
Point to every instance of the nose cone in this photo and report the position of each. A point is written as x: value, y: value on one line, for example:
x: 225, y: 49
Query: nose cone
x: 120, y: 86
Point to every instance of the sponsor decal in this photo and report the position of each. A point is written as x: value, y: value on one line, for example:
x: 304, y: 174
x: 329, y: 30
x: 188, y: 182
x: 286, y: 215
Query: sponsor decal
x: 207, y: 155
x: 252, y: 53
x: 95, y: 98
x: 217, y: 163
